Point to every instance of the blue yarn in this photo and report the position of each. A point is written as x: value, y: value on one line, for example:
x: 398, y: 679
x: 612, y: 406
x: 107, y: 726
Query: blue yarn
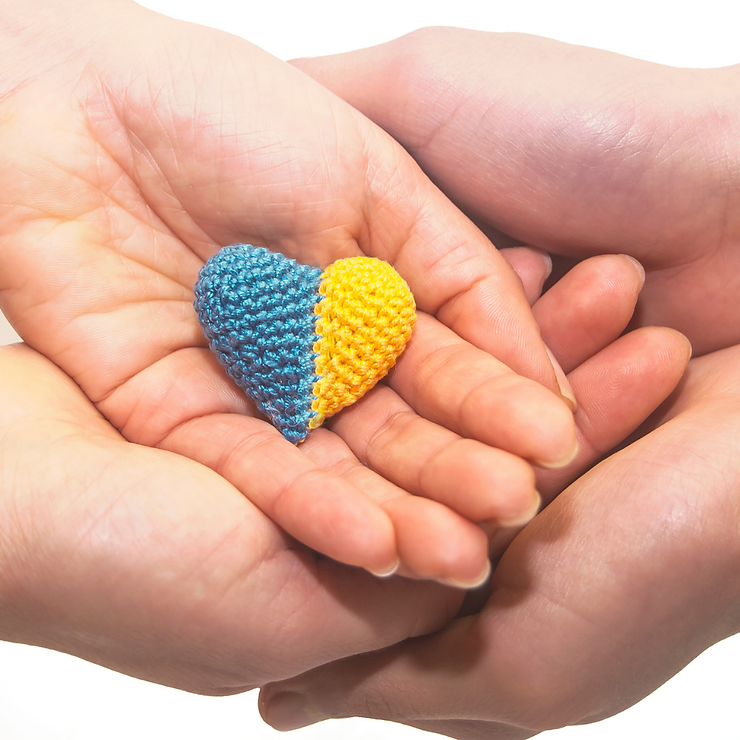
x: 257, y: 312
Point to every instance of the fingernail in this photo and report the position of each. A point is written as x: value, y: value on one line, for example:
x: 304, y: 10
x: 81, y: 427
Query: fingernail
x: 566, y: 460
x: 566, y: 391
x: 525, y: 518
x: 638, y: 266
x: 484, y: 575
x: 386, y: 573
x: 291, y: 711
x: 548, y: 262
x: 555, y: 464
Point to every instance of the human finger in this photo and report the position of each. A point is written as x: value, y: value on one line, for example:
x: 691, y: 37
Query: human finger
x: 368, y: 197
x: 619, y: 381
x: 454, y: 384
x: 617, y: 389
x: 321, y: 509
x: 432, y: 539
x: 589, y: 307
x: 619, y: 568
x: 153, y: 565
x: 353, y: 516
x: 532, y: 266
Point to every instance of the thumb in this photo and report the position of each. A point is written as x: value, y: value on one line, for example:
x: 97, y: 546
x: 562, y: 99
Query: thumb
x: 408, y: 683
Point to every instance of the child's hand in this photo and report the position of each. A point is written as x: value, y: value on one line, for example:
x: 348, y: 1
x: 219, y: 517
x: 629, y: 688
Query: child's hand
x: 131, y: 148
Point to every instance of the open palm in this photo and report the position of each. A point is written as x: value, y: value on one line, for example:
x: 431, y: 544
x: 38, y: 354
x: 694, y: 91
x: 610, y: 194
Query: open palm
x: 154, y: 565
x: 133, y: 147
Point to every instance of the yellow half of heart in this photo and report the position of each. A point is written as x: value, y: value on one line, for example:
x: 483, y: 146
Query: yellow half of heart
x: 365, y: 318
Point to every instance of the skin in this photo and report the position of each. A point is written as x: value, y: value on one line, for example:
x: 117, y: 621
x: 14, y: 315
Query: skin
x: 154, y: 565
x: 576, y: 151
x: 632, y: 571
x: 633, y: 568
x: 134, y: 146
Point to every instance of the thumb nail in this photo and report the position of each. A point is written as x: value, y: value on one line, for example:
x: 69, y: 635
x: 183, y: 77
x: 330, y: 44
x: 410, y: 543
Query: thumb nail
x: 291, y: 711
x: 566, y: 390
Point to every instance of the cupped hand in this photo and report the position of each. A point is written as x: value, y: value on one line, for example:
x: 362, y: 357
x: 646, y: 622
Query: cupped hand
x: 620, y: 581
x: 153, y: 565
x: 132, y: 147
x: 576, y: 151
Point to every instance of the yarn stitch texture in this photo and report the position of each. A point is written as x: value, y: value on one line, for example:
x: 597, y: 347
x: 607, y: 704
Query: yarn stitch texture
x: 365, y: 321
x: 257, y: 312
x: 301, y: 343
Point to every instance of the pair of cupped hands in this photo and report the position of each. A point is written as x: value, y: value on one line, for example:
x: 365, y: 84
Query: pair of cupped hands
x: 153, y: 523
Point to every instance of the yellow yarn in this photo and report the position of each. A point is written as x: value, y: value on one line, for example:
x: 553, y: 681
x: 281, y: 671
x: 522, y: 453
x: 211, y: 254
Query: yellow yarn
x: 365, y: 320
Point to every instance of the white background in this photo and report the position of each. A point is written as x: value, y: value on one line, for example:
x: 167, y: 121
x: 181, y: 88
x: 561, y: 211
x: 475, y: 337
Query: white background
x: 44, y: 695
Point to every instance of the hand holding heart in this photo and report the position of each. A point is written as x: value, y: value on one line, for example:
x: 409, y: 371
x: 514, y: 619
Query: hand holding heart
x: 126, y: 174
x: 303, y: 344
x: 132, y: 537
x: 123, y: 175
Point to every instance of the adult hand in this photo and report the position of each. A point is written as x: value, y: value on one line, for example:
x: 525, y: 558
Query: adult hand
x: 632, y: 571
x: 622, y: 580
x: 576, y: 151
x: 132, y: 146
x: 153, y: 565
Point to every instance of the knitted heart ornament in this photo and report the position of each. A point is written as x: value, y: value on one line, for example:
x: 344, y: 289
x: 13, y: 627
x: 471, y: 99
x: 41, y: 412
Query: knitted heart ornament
x: 302, y: 343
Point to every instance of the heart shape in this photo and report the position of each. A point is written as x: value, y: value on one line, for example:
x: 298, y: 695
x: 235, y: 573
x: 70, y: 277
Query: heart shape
x: 303, y: 344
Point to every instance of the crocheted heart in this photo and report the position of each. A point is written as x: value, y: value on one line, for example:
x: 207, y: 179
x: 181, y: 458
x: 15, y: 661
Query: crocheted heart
x: 301, y: 343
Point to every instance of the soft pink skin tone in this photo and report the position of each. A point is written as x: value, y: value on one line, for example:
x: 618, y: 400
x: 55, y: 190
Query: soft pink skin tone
x: 626, y: 577
x: 132, y: 539
x: 576, y: 151
x: 632, y: 571
x: 154, y: 565
x: 618, y: 583
x: 132, y: 147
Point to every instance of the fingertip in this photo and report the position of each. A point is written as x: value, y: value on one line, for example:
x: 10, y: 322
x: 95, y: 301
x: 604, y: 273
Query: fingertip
x: 435, y: 543
x: 523, y: 418
x: 562, y: 460
x: 340, y: 521
x: 391, y: 570
x: 686, y: 347
x: 638, y: 268
x: 288, y: 710
x: 677, y: 349
x: 558, y: 436
x: 370, y: 541
x: 532, y: 266
x: 566, y: 390
x: 525, y: 516
x: 468, y: 584
x: 481, y: 483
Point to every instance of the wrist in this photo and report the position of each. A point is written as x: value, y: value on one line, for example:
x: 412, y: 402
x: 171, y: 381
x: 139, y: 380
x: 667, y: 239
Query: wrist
x: 718, y: 126
x: 15, y: 422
